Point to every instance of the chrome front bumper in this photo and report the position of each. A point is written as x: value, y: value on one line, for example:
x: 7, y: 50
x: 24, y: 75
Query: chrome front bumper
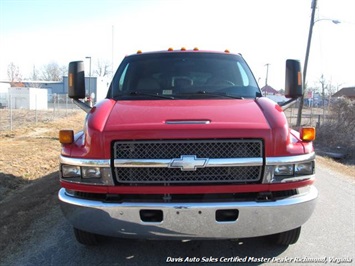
x: 189, y: 220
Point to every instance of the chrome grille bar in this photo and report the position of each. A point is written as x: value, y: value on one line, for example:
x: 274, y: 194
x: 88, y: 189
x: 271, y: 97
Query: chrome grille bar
x: 223, y: 162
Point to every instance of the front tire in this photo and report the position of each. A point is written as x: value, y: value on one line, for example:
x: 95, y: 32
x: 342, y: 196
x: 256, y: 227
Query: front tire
x: 285, y: 238
x: 85, y: 238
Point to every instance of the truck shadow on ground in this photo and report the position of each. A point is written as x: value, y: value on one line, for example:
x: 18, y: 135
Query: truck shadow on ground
x: 21, y: 203
x: 9, y: 183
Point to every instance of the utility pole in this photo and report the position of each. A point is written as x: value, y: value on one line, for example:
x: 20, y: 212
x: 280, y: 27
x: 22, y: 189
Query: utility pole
x: 299, y: 115
x: 89, y: 57
x: 322, y: 82
x: 267, y: 73
x: 112, y: 47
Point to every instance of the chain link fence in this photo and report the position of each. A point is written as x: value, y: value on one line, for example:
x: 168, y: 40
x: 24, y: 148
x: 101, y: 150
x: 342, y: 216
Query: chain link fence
x: 311, y: 116
x: 17, y: 110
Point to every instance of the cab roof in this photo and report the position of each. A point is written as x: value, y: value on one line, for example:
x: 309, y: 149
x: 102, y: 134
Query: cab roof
x: 184, y: 50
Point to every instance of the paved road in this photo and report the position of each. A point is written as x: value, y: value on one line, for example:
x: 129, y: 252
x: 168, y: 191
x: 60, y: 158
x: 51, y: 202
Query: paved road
x: 329, y: 236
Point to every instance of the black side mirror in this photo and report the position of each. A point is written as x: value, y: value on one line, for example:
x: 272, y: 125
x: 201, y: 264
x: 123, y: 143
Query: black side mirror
x: 76, y: 84
x: 293, y: 87
x: 76, y: 80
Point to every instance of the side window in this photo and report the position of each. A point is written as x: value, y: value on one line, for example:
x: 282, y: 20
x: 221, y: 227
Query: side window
x: 122, y: 78
x: 243, y: 75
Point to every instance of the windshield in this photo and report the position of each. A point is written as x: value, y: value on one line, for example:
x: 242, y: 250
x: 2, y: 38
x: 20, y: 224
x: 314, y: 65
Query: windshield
x: 183, y: 75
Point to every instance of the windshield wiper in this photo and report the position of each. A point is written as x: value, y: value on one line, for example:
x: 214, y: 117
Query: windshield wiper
x: 139, y: 93
x: 214, y: 94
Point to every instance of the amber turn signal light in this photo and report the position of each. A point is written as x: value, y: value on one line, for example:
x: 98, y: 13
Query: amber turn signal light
x: 66, y: 136
x: 308, y: 133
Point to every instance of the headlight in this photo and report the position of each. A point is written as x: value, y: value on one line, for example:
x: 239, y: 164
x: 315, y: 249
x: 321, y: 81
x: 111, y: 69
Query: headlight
x: 291, y: 172
x: 87, y: 174
x: 304, y: 168
x: 91, y: 172
x: 71, y: 171
x: 282, y: 170
x: 294, y: 169
x: 289, y: 168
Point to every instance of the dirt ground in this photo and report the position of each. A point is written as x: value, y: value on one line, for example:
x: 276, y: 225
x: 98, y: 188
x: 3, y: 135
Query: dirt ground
x: 29, y: 176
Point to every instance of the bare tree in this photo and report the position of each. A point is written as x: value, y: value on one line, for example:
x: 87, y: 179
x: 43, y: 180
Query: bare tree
x: 35, y: 75
x: 63, y: 71
x: 52, y: 72
x: 34, y: 78
x: 324, y: 85
x: 14, y: 75
x: 328, y: 88
x: 333, y: 88
x: 103, y: 68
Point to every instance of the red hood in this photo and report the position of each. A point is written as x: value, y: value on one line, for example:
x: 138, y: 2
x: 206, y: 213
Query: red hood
x: 147, y: 120
x: 150, y: 119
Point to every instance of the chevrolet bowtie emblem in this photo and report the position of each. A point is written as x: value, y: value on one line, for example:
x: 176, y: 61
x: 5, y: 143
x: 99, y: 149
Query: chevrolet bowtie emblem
x: 188, y: 163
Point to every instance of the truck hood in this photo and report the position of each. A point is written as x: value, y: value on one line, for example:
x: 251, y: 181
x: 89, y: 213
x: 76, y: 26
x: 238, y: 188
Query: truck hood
x: 176, y: 119
x: 112, y: 120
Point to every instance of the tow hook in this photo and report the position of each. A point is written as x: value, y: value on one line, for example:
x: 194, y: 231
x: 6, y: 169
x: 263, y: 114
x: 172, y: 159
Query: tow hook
x: 264, y: 196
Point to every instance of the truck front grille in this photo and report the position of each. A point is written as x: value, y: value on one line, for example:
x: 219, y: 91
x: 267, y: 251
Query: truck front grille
x: 174, y: 149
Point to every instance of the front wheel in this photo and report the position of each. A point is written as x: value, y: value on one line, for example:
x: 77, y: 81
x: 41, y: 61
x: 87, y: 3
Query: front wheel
x: 285, y: 238
x: 85, y: 238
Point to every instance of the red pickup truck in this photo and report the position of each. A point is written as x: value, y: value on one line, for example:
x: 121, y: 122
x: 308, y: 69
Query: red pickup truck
x: 186, y: 147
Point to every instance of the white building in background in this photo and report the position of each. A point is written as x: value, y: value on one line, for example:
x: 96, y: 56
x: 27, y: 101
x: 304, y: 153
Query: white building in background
x: 4, y: 89
x: 32, y: 93
x: 27, y: 98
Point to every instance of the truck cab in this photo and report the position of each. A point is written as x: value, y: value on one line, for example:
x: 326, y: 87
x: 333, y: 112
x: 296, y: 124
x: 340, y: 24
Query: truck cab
x: 185, y: 147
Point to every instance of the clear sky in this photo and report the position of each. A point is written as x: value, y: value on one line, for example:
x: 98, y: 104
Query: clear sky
x: 37, y: 32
